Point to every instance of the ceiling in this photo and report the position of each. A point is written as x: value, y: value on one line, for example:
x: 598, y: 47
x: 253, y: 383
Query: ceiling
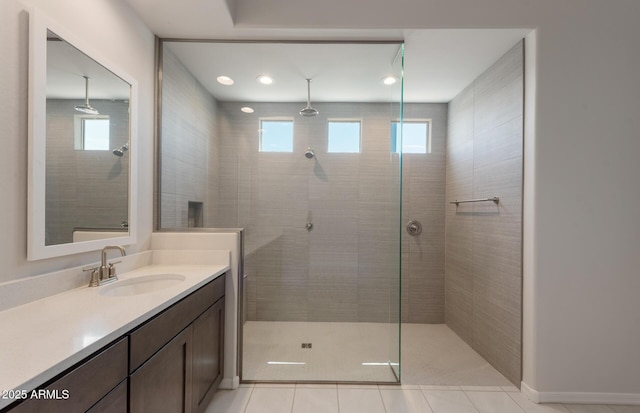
x: 339, y: 72
x: 66, y: 67
x: 438, y: 63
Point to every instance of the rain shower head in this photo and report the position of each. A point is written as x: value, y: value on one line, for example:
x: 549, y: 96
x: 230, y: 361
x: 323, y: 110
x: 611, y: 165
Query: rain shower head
x: 121, y: 150
x: 308, y: 110
x: 86, y: 107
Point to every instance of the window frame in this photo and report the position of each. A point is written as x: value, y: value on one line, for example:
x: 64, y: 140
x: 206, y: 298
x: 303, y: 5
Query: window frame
x: 79, y: 130
x: 275, y: 119
x: 344, y: 120
x: 428, y: 138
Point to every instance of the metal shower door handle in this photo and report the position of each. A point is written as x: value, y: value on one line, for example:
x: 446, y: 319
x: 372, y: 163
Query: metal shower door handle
x: 414, y: 228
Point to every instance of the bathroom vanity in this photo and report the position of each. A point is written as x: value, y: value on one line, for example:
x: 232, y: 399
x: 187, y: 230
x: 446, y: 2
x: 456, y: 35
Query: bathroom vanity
x: 152, y: 341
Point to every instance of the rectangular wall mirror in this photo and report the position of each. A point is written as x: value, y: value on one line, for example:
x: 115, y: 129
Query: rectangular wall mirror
x: 82, y: 146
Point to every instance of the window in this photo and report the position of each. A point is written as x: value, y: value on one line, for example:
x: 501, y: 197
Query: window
x: 91, y: 133
x: 415, y: 136
x: 344, y: 136
x: 276, y: 135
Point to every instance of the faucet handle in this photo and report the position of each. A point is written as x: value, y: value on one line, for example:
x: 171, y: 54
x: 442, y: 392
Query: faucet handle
x: 112, y: 269
x: 95, y: 275
x: 90, y: 268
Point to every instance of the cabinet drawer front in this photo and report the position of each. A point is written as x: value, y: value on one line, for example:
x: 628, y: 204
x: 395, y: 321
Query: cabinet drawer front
x: 86, y: 384
x: 208, y: 355
x: 114, y: 402
x: 151, y: 336
x: 163, y: 383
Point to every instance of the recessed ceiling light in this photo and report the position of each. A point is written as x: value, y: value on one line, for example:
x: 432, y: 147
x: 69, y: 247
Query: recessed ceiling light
x: 225, y: 80
x: 389, y: 80
x: 265, y: 80
x: 246, y: 109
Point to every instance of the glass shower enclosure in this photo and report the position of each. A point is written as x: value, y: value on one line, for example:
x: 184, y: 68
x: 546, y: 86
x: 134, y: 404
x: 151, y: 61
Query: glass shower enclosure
x: 293, y: 142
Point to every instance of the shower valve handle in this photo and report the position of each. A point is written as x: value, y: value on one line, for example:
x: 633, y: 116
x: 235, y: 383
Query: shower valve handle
x: 414, y: 228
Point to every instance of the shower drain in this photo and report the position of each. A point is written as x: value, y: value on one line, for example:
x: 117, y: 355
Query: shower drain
x: 306, y: 345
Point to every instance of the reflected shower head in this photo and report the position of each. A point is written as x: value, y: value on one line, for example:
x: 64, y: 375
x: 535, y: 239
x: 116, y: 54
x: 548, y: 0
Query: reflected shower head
x: 308, y: 110
x: 86, y: 107
x: 121, y: 150
x: 309, y: 153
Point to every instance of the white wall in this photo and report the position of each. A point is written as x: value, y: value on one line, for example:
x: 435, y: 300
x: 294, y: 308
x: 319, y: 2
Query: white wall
x: 582, y: 232
x: 108, y: 26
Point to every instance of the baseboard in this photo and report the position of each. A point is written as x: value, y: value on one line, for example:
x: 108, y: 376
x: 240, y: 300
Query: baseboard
x: 579, y: 397
x: 529, y: 392
x: 230, y: 383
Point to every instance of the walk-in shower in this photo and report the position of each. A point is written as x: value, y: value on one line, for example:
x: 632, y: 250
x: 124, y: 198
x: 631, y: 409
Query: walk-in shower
x: 373, y: 217
x: 320, y: 294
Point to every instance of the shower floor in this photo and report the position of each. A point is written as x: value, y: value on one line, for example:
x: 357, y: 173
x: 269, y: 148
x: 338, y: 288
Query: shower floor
x: 337, y: 353
x: 432, y: 354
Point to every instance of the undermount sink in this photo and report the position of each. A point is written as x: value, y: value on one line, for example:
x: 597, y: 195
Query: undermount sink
x: 141, y: 285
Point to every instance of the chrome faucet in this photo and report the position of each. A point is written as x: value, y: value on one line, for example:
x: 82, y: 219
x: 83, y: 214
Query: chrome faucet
x: 106, y: 272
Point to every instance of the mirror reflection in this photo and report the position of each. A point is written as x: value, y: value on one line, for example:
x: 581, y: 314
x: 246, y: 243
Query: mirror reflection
x: 87, y: 148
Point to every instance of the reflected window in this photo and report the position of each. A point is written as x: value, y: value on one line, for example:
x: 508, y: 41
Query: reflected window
x: 415, y: 138
x: 276, y: 135
x: 344, y: 136
x: 91, y: 133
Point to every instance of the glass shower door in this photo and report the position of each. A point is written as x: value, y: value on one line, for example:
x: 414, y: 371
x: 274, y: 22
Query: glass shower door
x: 322, y: 203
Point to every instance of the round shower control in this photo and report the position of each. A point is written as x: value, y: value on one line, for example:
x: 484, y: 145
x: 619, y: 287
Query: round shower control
x: 414, y: 228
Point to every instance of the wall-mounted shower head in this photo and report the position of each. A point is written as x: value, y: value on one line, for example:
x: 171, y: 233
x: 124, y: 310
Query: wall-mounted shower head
x: 309, y: 153
x: 308, y: 110
x: 121, y: 150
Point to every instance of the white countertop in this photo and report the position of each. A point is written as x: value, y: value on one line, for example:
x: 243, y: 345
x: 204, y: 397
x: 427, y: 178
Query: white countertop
x: 43, y: 338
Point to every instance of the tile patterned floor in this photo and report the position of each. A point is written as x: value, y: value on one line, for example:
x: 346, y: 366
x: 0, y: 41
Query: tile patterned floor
x: 326, y: 398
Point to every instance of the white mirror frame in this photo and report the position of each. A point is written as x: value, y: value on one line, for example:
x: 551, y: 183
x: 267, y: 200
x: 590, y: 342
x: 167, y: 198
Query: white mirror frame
x: 36, y: 248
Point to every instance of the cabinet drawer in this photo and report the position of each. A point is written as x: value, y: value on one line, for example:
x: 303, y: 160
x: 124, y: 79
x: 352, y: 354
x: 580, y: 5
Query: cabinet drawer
x: 86, y: 384
x: 114, y: 402
x: 151, y: 336
x: 163, y: 383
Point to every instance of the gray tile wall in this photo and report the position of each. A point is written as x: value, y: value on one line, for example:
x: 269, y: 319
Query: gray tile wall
x: 346, y: 268
x: 423, y: 196
x: 84, y: 188
x: 483, y: 242
x: 189, y: 146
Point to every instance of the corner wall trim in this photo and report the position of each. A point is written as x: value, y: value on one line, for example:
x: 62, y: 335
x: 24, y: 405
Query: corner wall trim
x: 230, y: 383
x: 580, y: 397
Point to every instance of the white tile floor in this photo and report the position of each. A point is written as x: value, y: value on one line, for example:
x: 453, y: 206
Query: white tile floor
x: 326, y: 398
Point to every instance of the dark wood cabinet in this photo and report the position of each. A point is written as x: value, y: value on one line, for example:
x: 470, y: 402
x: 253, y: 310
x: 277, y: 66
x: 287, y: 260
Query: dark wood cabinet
x: 208, y: 355
x: 164, y: 382
x: 182, y: 374
x: 173, y: 362
x: 114, y: 402
x: 84, y: 385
